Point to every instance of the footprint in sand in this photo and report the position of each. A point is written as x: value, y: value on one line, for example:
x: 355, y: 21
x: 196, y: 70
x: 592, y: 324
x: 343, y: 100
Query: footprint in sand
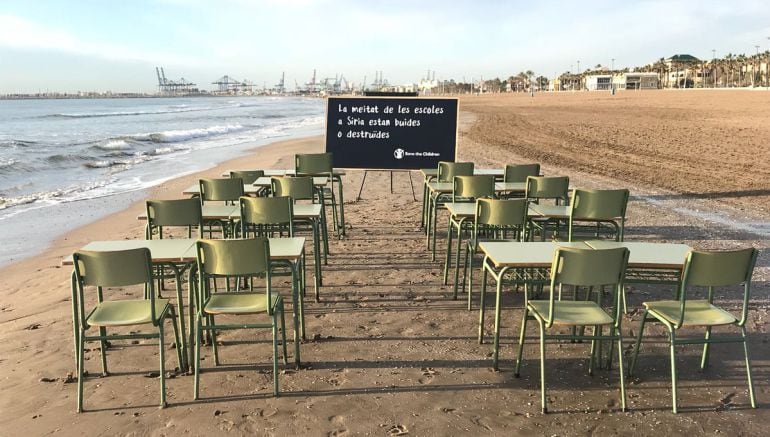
x: 339, y: 423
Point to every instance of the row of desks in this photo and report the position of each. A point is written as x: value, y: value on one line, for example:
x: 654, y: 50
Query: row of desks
x: 181, y: 254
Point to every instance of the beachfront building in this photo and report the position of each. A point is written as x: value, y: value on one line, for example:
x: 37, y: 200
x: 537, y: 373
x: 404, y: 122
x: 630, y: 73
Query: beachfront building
x: 598, y: 82
x: 639, y: 81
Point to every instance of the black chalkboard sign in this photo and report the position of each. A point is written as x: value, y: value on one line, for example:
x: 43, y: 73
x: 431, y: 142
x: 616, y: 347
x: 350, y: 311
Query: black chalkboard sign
x: 391, y: 133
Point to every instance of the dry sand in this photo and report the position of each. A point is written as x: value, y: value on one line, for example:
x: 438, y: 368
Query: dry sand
x: 388, y: 351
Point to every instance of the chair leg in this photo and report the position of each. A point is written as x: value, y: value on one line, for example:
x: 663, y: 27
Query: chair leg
x: 457, y: 258
x: 752, y: 398
x: 81, y: 371
x: 672, y: 339
x: 543, y: 400
x: 103, y: 349
x: 197, y: 362
x: 482, y: 304
x: 637, y: 345
x: 213, y: 333
x: 522, y: 338
x: 275, y: 356
x: 181, y: 354
x: 705, y: 359
x: 621, y: 370
x: 162, y: 357
x: 448, y: 258
x: 468, y: 271
x: 283, y: 334
x: 592, y: 358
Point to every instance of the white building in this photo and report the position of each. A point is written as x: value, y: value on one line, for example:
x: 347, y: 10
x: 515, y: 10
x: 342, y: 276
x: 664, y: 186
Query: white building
x: 598, y: 82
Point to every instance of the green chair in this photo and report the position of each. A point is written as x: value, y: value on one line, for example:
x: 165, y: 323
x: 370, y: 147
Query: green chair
x: 446, y: 173
x: 322, y: 164
x: 712, y: 270
x: 520, y: 172
x: 177, y: 213
x: 465, y: 189
x: 266, y: 216
x: 241, y: 259
x: 227, y: 190
x: 542, y: 188
x: 597, y: 214
x: 113, y: 269
x: 249, y: 177
x: 579, y: 268
x: 301, y: 188
x: 495, y: 220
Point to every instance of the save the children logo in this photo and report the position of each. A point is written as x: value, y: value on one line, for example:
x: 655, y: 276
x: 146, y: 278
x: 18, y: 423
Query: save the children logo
x: 399, y: 153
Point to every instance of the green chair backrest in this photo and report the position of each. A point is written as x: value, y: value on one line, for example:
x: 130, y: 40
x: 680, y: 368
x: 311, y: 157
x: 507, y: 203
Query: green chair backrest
x: 598, y: 204
x: 119, y: 268
x: 473, y: 187
x: 587, y: 268
x: 298, y: 188
x: 501, y: 212
x: 234, y: 258
x: 175, y: 212
x: 607, y: 206
x: 247, y: 176
x: 267, y: 211
x: 520, y: 172
x: 313, y: 163
x: 448, y: 170
x: 718, y: 269
x: 547, y: 187
x: 224, y: 190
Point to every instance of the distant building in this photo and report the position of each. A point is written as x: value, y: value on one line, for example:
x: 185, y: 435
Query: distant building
x: 640, y: 81
x: 598, y: 82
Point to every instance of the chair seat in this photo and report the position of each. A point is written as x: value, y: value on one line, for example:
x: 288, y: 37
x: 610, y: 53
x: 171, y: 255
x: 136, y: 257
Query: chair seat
x: 126, y: 312
x: 238, y: 303
x: 697, y: 313
x: 573, y: 313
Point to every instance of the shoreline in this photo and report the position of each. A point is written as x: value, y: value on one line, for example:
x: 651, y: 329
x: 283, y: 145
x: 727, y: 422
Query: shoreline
x: 32, y: 231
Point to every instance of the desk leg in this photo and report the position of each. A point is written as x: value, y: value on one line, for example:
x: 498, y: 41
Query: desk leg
x: 295, y: 309
x: 185, y: 364
x: 496, y: 347
x: 341, y: 204
x: 424, y: 202
x: 316, y: 259
x: 75, y: 318
x: 447, y: 258
x: 192, y: 306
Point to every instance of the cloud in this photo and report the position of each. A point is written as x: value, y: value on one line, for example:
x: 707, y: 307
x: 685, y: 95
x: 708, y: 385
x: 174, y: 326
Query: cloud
x: 21, y: 34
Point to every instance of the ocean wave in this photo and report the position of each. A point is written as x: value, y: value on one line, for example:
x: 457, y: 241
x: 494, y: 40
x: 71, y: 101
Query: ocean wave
x: 116, y: 144
x: 175, y: 136
x: 7, y: 162
x: 16, y: 143
x: 125, y: 113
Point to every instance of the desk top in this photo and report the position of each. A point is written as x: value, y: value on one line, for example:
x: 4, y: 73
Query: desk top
x: 282, y: 172
x: 183, y: 249
x: 468, y: 210
x: 212, y: 211
x: 540, y: 254
x: 165, y: 250
x: 195, y: 190
x: 524, y: 254
x: 448, y: 187
x: 648, y: 255
x: 433, y: 172
x: 551, y: 211
x: 264, y: 181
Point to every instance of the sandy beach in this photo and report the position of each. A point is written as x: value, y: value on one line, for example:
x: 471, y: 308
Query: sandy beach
x: 388, y: 351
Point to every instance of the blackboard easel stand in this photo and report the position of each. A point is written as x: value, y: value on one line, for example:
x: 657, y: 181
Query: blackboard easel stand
x: 408, y: 172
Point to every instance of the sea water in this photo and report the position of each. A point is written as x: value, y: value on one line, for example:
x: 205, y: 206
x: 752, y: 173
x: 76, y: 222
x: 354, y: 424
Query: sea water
x: 60, y: 155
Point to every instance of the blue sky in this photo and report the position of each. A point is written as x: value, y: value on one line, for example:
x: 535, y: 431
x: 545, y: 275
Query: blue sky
x: 69, y: 45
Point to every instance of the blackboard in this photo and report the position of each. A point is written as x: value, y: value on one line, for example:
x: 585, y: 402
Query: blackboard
x: 391, y: 133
